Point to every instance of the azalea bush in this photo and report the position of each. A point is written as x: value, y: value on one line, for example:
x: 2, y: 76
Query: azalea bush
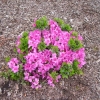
x: 50, y: 52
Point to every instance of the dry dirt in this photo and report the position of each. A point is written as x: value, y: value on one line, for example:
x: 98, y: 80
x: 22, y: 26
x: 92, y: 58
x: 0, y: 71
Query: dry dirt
x: 83, y: 15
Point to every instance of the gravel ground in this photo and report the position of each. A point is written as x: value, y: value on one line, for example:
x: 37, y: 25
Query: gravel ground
x: 83, y: 15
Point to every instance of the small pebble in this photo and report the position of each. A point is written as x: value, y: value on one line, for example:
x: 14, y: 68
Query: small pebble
x: 0, y: 91
x: 9, y: 93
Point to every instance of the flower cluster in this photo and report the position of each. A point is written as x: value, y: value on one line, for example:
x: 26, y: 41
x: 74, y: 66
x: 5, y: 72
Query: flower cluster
x: 13, y: 65
x: 47, y: 50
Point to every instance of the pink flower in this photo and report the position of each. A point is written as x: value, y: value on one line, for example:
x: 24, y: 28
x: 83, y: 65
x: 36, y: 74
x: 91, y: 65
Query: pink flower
x: 26, y: 76
x: 50, y: 81
x: 15, y: 68
x: 13, y: 65
x: 34, y: 38
x: 80, y: 37
x: 18, y: 50
x: 58, y: 77
x: 34, y: 24
x: 47, y: 41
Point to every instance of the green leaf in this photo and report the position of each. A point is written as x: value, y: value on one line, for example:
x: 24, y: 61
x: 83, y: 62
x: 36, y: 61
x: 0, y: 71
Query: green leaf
x: 42, y: 23
x: 25, y: 34
x: 7, y: 59
x: 75, y: 66
x: 66, y: 27
x: 55, y: 49
x: 49, y: 47
x: 66, y: 70
x: 75, y: 44
x: 81, y: 72
x: 74, y: 34
x: 15, y: 50
x: 72, y: 72
x: 63, y: 25
x: 14, y: 76
x: 59, y: 21
x: 24, y: 44
x: 54, y: 74
x: 77, y: 70
x: 41, y: 46
x: 17, y: 76
x: 64, y: 76
x: 21, y: 57
x: 4, y: 74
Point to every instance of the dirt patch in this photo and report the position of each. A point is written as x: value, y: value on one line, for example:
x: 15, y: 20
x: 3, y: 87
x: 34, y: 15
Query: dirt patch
x: 84, y: 16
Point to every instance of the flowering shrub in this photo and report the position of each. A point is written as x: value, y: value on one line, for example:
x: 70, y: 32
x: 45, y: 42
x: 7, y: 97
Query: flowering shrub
x: 51, y: 51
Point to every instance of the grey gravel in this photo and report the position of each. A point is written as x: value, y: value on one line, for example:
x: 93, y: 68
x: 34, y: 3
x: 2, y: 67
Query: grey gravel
x: 83, y: 15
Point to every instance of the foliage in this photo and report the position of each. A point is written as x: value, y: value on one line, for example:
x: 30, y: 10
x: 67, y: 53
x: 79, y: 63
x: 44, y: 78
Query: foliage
x: 59, y: 21
x: 41, y: 46
x: 75, y: 44
x: 64, y: 26
x: 74, y: 34
x: 54, y: 74
x: 68, y: 70
x: 14, y: 76
x: 55, y: 49
x: 24, y: 42
x: 41, y: 23
x: 76, y: 69
x: 21, y: 57
x: 7, y: 59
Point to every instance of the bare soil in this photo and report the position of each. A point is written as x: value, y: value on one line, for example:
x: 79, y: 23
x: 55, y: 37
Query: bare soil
x: 83, y: 15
